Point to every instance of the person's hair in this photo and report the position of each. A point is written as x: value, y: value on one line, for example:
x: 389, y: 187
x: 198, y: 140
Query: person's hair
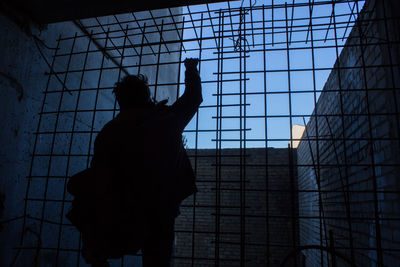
x: 133, y: 91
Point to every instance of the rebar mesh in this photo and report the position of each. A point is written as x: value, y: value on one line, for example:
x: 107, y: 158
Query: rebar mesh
x: 329, y: 65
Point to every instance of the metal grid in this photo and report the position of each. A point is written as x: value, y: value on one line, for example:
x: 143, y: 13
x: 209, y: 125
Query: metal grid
x: 256, y: 87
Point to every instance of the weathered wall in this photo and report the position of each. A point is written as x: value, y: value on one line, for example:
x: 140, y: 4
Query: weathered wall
x: 58, y: 153
x: 357, y: 151
x: 257, y: 179
x: 22, y: 82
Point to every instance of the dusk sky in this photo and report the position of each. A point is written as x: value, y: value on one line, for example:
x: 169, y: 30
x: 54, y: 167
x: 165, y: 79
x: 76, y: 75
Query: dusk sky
x: 276, y: 58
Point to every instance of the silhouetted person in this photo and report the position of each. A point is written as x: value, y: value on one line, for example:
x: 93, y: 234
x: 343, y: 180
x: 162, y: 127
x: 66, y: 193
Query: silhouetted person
x: 141, y: 173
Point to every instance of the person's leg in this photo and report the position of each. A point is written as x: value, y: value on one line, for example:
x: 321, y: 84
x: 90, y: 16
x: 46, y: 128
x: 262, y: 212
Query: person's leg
x: 93, y: 247
x: 157, y: 249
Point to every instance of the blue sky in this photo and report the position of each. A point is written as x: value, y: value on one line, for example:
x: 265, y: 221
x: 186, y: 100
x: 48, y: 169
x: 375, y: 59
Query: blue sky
x: 277, y: 81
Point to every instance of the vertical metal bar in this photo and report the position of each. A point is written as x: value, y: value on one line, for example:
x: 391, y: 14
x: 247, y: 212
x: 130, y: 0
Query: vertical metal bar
x: 121, y: 64
x: 212, y: 26
x: 291, y: 172
x: 332, y: 247
x: 35, y: 144
x: 292, y: 199
x: 289, y: 81
x: 378, y: 238
x: 218, y: 154
x: 115, y: 100
x: 241, y: 141
x: 141, y: 47
x: 238, y: 44
x: 101, y: 48
x: 42, y: 216
x: 230, y: 17
x: 322, y: 224
x: 196, y: 154
x: 140, y: 28
x: 348, y: 22
x: 344, y: 136
x: 158, y: 60
x: 178, y: 85
x: 127, y: 28
x: 159, y: 31
x: 316, y: 116
x: 344, y: 185
x: 291, y: 23
x: 267, y: 237
x: 176, y: 28
x: 272, y: 20
x: 194, y: 27
x: 330, y: 23
x: 104, y: 31
x: 311, y: 7
x: 251, y: 19
x: 242, y: 59
x: 70, y: 150
x: 221, y: 80
x: 392, y: 75
x: 95, y: 103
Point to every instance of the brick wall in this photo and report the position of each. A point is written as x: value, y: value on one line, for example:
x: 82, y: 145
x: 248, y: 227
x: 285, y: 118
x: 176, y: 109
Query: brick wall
x: 357, y: 150
x: 280, y: 204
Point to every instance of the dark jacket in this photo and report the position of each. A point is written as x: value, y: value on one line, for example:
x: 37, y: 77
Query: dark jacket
x: 143, y: 147
x: 141, y: 170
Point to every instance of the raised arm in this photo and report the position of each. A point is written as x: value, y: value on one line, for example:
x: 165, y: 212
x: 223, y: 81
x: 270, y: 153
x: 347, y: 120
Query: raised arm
x: 187, y: 105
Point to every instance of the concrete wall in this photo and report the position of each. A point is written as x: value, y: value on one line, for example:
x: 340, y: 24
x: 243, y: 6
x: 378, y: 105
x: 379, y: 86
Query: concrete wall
x: 22, y: 85
x: 345, y: 167
x: 22, y: 74
x: 282, y: 229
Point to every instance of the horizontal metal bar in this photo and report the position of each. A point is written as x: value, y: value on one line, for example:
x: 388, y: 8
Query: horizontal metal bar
x: 131, y: 66
x: 185, y: 131
x: 308, y: 69
x: 347, y: 90
x: 203, y: 258
x: 305, y: 116
x: 361, y: 219
x: 151, y: 85
x: 78, y: 24
x: 230, y: 49
x: 112, y: 110
x: 220, y: 14
x: 212, y: 181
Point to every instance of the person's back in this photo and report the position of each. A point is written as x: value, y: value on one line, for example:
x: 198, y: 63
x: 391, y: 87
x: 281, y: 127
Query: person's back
x: 142, y: 173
